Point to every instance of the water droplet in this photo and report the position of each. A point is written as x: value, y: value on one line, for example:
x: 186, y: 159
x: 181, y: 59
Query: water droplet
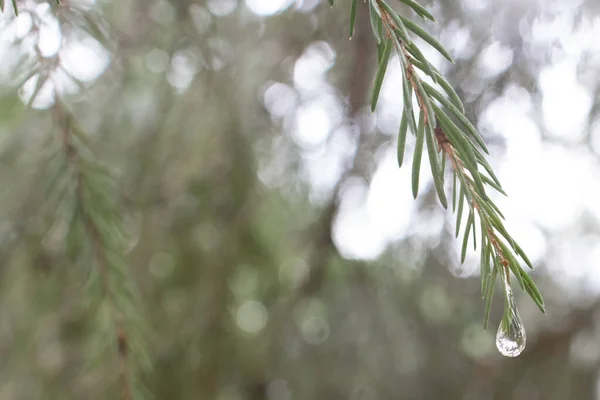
x: 511, y: 336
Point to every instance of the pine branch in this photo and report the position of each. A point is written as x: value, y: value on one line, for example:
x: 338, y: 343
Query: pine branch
x: 448, y: 135
x: 94, y: 239
x: 82, y: 190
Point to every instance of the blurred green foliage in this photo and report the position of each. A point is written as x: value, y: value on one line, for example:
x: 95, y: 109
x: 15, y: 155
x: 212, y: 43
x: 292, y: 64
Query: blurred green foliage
x: 243, y: 292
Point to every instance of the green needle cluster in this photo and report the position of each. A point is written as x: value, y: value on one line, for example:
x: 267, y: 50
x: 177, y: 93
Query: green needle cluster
x: 439, y: 124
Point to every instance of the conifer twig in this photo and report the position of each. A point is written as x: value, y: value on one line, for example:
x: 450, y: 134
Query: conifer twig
x: 98, y: 242
x: 448, y: 135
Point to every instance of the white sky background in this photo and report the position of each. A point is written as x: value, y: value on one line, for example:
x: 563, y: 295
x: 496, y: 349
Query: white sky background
x: 549, y: 186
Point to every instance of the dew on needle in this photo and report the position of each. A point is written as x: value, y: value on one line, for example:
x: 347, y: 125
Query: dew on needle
x: 511, y: 337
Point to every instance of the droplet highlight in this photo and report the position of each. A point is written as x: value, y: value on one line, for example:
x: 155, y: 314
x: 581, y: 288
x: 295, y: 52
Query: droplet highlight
x: 511, y: 337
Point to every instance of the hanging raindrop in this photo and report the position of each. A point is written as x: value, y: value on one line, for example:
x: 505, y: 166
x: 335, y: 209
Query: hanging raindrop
x: 511, y: 336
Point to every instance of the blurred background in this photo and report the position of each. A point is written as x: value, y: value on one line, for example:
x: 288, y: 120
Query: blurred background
x: 276, y: 245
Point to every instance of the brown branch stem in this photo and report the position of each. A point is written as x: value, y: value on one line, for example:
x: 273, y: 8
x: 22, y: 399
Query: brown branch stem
x: 459, y: 168
x: 410, y: 71
x: 443, y: 143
